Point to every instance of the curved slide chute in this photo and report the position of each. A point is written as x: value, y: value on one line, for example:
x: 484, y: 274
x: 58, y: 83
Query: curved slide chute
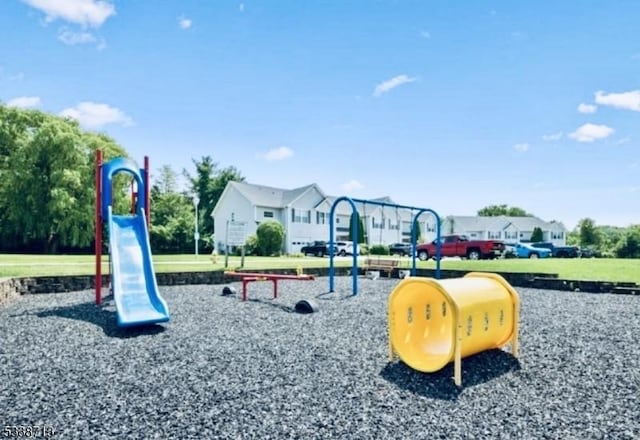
x: 434, y: 322
x: 133, y: 280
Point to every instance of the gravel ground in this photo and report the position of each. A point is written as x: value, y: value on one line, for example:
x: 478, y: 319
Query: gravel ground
x: 226, y: 369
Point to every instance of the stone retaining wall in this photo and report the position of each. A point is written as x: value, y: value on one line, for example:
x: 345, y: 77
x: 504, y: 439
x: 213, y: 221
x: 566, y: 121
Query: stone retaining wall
x: 11, y: 288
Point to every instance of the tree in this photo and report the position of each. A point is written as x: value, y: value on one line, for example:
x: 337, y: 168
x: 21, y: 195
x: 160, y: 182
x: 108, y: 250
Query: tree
x: 418, y: 231
x: 537, y: 235
x: 589, y: 235
x: 629, y: 246
x: 360, y: 228
x: 208, y: 183
x: 270, y: 237
x: 496, y: 210
x: 46, y: 181
x: 172, y: 215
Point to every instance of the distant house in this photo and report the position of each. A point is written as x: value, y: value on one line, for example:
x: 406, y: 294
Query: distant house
x: 304, y: 213
x: 508, y: 229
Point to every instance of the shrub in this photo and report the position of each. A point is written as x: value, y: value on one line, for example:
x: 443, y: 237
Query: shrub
x: 251, y: 245
x: 363, y: 249
x: 270, y: 237
x: 379, y: 249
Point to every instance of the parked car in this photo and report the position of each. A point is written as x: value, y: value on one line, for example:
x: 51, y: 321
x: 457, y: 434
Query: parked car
x: 402, y: 249
x: 509, y: 251
x: 317, y: 248
x: 559, y: 251
x: 344, y: 248
x: 461, y: 246
x: 525, y: 250
x: 589, y: 252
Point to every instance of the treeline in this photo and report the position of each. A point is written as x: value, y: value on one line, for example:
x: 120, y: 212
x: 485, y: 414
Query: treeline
x: 47, y: 192
x: 606, y: 241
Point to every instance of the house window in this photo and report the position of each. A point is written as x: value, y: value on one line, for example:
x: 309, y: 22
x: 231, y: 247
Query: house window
x: 557, y: 235
x: 430, y: 227
x: 375, y: 225
x: 393, y: 226
x: 300, y: 217
x: 268, y: 214
x: 510, y: 235
x: 321, y: 218
x: 494, y: 235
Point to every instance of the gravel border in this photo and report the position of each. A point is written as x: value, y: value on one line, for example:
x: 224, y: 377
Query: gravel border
x: 227, y: 369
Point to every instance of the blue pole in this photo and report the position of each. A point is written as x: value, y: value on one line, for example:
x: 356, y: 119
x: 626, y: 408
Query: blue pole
x: 354, y: 223
x: 414, y: 238
x: 352, y: 202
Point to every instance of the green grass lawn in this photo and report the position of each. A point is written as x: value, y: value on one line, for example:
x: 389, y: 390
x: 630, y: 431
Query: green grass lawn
x: 577, y: 269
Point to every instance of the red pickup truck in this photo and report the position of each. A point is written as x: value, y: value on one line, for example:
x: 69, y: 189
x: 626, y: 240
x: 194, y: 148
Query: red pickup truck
x: 461, y: 246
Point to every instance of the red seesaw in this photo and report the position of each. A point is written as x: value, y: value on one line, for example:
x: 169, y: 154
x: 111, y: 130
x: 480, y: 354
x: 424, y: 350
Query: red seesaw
x: 248, y: 277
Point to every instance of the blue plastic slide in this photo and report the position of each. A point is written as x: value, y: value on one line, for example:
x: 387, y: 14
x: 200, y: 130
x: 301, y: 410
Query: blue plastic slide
x: 135, y: 290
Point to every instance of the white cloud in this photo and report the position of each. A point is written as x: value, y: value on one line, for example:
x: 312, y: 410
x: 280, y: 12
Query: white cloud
x: 587, y: 108
x: 625, y: 100
x: 95, y: 115
x: 521, y: 148
x: 184, y: 23
x: 25, y: 102
x: 352, y: 185
x: 17, y: 77
x: 624, y: 140
x: 84, y: 12
x: 280, y: 153
x: 591, y: 132
x: 552, y: 137
x: 391, y: 84
x: 241, y: 7
x: 72, y: 38
x: 425, y: 34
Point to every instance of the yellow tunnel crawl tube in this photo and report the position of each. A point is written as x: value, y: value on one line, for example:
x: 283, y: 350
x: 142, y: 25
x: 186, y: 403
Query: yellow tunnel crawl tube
x: 434, y: 322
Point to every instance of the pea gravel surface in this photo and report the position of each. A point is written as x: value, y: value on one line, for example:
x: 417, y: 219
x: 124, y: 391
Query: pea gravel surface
x: 225, y: 369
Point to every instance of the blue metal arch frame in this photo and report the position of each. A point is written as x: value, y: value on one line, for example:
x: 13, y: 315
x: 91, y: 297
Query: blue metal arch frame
x: 113, y: 167
x: 355, y: 226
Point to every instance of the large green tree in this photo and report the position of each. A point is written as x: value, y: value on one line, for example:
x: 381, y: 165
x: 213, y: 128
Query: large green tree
x: 172, y: 215
x: 629, y: 245
x: 589, y: 234
x: 496, y: 210
x: 47, y: 193
x: 208, y: 183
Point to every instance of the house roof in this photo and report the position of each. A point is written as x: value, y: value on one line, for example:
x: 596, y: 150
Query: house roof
x: 475, y: 223
x: 261, y: 195
x: 501, y: 222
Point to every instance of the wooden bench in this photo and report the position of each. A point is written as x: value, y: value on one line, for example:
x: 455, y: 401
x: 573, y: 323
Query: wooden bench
x: 381, y: 264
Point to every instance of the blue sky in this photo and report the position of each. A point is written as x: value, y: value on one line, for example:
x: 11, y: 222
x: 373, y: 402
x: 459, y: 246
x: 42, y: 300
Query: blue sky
x: 452, y: 105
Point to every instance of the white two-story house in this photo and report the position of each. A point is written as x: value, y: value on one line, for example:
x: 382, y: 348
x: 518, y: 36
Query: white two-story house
x: 507, y: 229
x: 304, y: 213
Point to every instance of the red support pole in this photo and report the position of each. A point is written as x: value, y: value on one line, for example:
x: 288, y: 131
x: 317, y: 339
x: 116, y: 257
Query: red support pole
x: 98, y: 227
x: 147, y: 193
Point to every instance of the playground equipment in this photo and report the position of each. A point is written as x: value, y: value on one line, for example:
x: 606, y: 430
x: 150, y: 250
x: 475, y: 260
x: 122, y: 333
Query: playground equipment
x: 133, y: 281
x: 433, y: 322
x: 250, y: 277
x: 354, y: 229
